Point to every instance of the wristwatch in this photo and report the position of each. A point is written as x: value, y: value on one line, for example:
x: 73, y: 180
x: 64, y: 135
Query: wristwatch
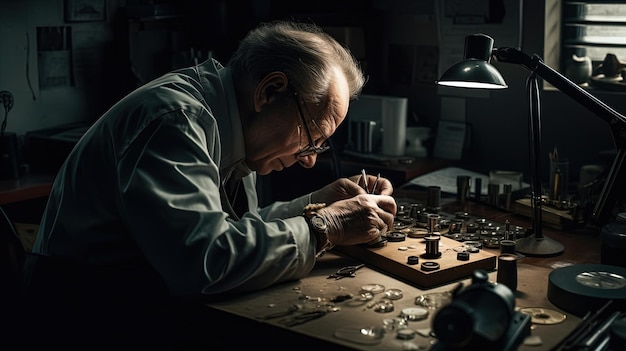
x: 319, y: 226
x: 318, y: 223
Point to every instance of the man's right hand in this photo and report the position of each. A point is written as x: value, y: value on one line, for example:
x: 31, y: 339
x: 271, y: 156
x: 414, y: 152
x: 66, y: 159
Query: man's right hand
x: 360, y: 219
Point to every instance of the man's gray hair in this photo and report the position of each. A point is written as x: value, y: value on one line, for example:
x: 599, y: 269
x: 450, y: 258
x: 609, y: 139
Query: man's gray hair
x: 303, y: 51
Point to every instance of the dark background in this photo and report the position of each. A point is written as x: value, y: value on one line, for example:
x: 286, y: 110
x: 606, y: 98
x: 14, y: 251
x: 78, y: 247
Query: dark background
x: 396, y: 42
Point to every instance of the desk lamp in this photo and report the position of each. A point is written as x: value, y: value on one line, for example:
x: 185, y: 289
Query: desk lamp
x: 475, y: 71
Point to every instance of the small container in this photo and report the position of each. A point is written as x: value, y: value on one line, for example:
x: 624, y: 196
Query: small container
x: 463, y: 183
x: 507, y: 246
x: 613, y: 236
x: 507, y: 271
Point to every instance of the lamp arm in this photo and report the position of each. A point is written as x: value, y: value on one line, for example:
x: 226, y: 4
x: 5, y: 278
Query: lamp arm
x: 613, y: 188
x: 616, y: 121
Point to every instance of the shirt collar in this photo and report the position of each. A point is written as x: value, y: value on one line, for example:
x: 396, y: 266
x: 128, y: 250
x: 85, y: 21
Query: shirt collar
x: 219, y: 87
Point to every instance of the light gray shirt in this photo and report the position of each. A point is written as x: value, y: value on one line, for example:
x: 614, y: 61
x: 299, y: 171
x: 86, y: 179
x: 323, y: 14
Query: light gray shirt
x: 147, y: 180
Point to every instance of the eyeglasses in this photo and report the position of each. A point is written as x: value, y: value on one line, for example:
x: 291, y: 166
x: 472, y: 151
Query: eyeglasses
x: 310, y: 149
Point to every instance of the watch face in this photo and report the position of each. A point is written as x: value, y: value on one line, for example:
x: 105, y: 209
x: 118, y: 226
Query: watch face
x: 319, y: 223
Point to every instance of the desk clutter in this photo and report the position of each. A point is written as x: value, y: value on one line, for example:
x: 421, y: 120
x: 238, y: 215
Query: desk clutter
x: 378, y: 297
x: 561, y: 208
x: 430, y: 247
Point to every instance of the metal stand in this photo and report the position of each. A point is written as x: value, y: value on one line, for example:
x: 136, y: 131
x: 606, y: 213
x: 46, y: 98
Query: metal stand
x: 536, y: 244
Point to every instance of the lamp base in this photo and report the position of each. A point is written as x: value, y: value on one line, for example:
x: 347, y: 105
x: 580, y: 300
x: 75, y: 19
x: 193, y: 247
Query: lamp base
x: 534, y: 246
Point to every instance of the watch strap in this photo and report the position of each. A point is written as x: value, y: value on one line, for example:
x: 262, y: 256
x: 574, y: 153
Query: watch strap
x: 309, y: 212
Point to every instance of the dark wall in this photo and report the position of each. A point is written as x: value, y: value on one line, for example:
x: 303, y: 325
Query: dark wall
x: 499, y: 124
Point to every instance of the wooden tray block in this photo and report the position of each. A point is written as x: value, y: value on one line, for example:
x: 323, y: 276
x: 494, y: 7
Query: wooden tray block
x: 394, y: 261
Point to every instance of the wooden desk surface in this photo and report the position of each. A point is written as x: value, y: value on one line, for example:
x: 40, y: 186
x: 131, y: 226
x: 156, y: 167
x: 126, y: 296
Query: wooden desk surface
x: 532, y: 289
x: 240, y: 314
x: 581, y: 246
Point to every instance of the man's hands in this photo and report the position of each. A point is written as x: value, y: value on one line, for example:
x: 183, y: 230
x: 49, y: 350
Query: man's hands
x: 360, y: 219
x: 356, y: 215
x: 345, y: 188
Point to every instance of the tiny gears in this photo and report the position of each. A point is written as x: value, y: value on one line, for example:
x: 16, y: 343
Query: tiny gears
x: 395, y: 236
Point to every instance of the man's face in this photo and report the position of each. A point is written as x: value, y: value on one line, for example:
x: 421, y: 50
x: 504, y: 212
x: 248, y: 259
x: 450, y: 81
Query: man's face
x: 278, y: 135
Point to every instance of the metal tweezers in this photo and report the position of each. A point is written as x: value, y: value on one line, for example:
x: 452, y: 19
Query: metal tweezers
x: 303, y: 318
x: 288, y: 311
x: 346, y: 272
x: 365, y: 184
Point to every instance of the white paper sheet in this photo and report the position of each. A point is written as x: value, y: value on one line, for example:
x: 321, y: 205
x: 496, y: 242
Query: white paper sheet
x: 446, y: 179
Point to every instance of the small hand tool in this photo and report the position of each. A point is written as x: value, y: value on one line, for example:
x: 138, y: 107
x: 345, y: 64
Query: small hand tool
x: 348, y: 271
x: 283, y: 313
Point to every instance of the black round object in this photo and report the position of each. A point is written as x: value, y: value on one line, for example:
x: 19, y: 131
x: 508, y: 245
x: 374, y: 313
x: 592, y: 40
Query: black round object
x: 430, y: 266
x: 479, y: 315
x: 454, y: 325
x: 395, y: 236
x: 613, y: 236
x: 581, y: 288
x: 413, y: 260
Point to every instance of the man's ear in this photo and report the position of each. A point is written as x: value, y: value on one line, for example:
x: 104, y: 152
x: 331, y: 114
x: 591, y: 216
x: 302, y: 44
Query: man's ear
x: 269, y: 89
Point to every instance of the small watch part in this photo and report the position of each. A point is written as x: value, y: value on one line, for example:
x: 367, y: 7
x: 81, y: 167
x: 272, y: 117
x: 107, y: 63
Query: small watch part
x: 394, y: 294
x: 405, y: 334
x: 384, y: 306
x: 473, y: 243
x: 463, y: 256
x: 366, y: 295
x: 416, y: 232
x: 413, y: 260
x: 472, y: 249
x: 433, y: 301
x: 430, y: 266
x: 395, y: 236
x: 396, y: 323
x: 373, y: 288
x: 432, y: 246
x: 414, y: 313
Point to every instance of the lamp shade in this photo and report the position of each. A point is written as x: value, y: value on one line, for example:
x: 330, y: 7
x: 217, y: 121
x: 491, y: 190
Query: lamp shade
x: 474, y: 71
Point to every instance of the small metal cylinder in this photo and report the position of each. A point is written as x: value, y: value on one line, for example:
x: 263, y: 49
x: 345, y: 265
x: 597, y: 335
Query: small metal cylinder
x: 508, y: 194
x: 478, y: 188
x: 432, y: 245
x: 493, y: 194
x: 415, y: 210
x: 433, y: 199
x: 462, y: 188
x: 433, y: 222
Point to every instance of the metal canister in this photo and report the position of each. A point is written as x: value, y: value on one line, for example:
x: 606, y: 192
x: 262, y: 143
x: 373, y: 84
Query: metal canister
x: 613, y: 236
